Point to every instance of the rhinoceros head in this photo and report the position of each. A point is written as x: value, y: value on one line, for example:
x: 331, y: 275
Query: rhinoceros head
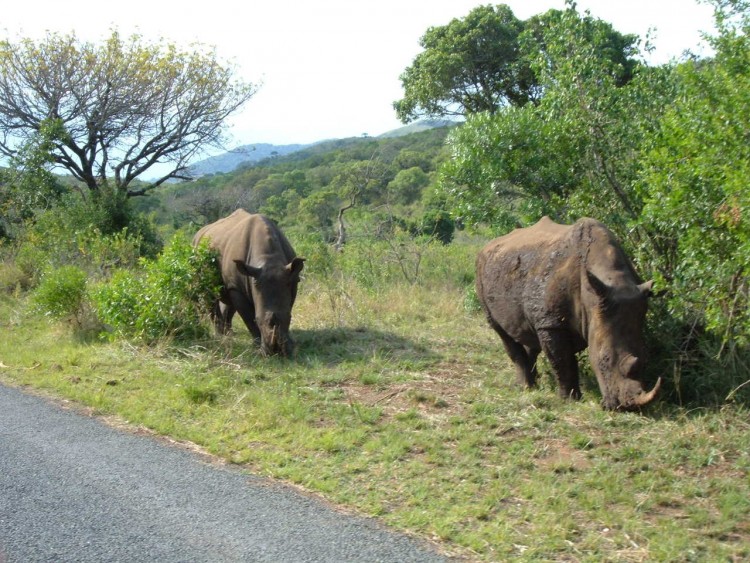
x: 274, y: 289
x: 616, y: 345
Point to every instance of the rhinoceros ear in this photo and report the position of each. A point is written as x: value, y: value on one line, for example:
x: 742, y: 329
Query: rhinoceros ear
x: 599, y: 287
x: 247, y: 269
x: 646, y: 289
x: 295, y: 268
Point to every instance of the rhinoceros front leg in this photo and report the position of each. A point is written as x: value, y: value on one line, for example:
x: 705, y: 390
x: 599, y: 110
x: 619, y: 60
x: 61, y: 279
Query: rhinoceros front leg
x: 246, y: 309
x: 560, y: 352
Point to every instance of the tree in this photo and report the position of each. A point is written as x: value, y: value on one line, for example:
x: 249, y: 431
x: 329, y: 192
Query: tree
x: 356, y: 182
x: 491, y: 60
x: 695, y: 182
x: 408, y: 184
x: 468, y: 66
x: 27, y: 184
x: 620, y: 51
x: 122, y: 106
x: 577, y: 151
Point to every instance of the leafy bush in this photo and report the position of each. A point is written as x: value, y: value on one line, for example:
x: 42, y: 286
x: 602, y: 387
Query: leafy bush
x: 61, y: 294
x: 697, y: 196
x: 438, y: 224
x: 694, y: 183
x: 88, y: 233
x: 169, y: 297
x: 12, y: 278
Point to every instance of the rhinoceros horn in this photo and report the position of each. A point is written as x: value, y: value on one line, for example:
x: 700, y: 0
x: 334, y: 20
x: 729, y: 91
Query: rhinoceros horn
x: 642, y: 399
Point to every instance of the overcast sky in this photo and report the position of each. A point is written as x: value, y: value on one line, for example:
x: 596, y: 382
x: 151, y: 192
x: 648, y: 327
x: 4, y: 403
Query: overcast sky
x: 328, y: 68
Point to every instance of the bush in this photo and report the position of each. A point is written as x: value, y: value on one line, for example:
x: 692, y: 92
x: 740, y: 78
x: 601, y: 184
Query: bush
x: 84, y: 233
x: 13, y: 279
x: 169, y: 297
x: 61, y: 294
x: 439, y: 225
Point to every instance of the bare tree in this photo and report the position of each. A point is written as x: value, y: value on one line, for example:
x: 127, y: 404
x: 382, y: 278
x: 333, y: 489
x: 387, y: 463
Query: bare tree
x: 118, y: 108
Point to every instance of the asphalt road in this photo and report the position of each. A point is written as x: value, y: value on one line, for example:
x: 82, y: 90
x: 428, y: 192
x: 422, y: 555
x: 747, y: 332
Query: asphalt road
x: 74, y: 489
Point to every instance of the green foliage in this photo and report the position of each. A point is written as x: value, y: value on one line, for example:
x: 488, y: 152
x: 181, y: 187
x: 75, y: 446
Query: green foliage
x: 490, y: 60
x: 695, y: 183
x: 468, y: 66
x: 28, y: 184
x: 61, y: 294
x: 544, y: 43
x: 438, y: 224
x: 509, y: 168
x: 576, y: 152
x: 89, y: 233
x: 407, y: 185
x: 170, y: 297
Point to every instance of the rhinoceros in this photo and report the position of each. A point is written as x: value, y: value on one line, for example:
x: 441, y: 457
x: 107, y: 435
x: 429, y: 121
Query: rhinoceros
x: 563, y: 288
x: 260, y: 272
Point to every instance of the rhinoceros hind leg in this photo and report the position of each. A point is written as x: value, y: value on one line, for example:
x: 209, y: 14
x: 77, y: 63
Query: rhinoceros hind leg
x: 222, y: 314
x: 562, y: 357
x: 524, y: 358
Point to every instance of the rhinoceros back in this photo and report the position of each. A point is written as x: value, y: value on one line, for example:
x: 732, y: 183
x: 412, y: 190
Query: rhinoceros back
x: 251, y: 238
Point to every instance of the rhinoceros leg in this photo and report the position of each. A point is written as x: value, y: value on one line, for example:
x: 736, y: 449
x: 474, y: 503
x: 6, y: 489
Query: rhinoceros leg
x: 560, y: 352
x: 523, y: 357
x: 246, y: 309
x: 222, y: 315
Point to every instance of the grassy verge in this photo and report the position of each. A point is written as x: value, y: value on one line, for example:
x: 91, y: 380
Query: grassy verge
x: 402, y: 405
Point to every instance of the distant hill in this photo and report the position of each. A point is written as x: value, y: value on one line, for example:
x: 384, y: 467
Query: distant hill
x: 287, y: 187
x: 251, y: 154
x: 416, y: 127
x: 246, y: 154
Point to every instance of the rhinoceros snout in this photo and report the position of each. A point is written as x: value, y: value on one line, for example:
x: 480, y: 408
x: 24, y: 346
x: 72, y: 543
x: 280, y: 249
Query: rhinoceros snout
x: 275, y: 340
x: 632, y: 397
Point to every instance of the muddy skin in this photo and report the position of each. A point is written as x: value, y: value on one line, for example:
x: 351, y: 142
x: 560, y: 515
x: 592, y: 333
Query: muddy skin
x: 560, y: 289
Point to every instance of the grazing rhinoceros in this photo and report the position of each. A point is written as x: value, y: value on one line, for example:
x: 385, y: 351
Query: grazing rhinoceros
x: 260, y: 273
x: 561, y: 288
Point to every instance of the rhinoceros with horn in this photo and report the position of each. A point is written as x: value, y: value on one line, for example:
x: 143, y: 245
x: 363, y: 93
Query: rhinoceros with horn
x: 260, y: 272
x: 563, y: 288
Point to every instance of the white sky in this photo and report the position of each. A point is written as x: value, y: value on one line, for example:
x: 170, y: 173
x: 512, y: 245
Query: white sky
x: 329, y: 68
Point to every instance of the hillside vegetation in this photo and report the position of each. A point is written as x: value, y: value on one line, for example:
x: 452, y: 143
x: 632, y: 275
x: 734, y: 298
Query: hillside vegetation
x: 389, y: 179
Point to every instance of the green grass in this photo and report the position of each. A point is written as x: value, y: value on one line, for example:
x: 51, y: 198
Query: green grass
x: 402, y: 405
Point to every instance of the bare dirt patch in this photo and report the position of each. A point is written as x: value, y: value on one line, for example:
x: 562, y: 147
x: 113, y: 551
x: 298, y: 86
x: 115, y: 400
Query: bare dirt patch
x: 437, y: 392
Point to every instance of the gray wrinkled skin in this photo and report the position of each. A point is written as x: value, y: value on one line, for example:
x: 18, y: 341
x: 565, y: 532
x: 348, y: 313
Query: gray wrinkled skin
x: 260, y: 273
x: 561, y: 289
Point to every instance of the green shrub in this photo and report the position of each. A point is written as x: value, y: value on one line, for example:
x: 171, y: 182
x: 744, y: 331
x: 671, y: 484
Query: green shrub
x: 169, y: 297
x: 12, y: 278
x: 87, y: 233
x: 438, y: 224
x: 61, y: 294
x: 117, y: 301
